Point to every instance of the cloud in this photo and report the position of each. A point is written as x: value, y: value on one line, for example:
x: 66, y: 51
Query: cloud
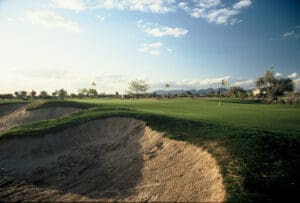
x: 242, y: 4
x: 247, y: 84
x: 190, y: 84
x: 297, y: 84
x: 222, y: 16
x: 214, y: 11
x: 101, y: 18
x: 184, y: 6
x: 170, y: 51
x: 52, y: 78
x: 155, y: 6
x: 50, y: 19
x: 152, y: 49
x: 77, y: 5
x: 278, y: 74
x: 157, y: 30
x: 166, y: 31
x: 293, y: 75
x: 291, y: 35
x: 11, y: 19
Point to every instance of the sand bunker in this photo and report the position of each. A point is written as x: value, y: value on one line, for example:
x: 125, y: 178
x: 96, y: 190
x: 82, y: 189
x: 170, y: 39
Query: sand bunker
x: 16, y: 114
x: 114, y: 159
x: 6, y: 109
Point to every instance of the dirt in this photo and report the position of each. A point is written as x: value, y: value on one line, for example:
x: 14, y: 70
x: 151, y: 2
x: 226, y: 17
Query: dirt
x: 16, y: 114
x: 114, y: 159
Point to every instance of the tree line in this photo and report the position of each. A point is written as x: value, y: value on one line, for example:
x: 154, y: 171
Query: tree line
x: 268, y: 87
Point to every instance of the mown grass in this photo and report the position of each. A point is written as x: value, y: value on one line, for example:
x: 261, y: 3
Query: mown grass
x: 258, y: 162
x: 233, y: 112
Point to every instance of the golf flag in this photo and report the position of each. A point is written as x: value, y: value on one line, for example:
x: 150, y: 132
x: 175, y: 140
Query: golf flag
x: 224, y: 82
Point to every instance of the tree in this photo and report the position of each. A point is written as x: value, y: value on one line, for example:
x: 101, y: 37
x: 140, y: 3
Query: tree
x: 167, y: 86
x: 138, y: 86
x: 21, y: 94
x: 236, y: 91
x: 189, y: 94
x: 61, y: 93
x: 83, y: 92
x: 6, y: 96
x: 92, y: 92
x: 43, y: 95
x: 273, y: 86
x: 32, y: 94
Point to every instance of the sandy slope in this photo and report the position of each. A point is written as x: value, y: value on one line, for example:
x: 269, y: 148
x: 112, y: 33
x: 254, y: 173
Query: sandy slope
x: 17, y: 115
x: 6, y: 109
x: 107, y: 160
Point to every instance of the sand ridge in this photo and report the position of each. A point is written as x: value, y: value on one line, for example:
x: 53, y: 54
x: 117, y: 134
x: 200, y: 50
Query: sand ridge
x: 113, y: 159
x: 16, y: 114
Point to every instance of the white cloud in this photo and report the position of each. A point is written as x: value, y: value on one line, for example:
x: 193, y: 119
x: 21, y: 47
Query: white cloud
x: 293, y: 75
x: 208, y: 3
x: 157, y: 30
x: 166, y: 31
x: 170, y: 51
x: 242, y: 4
x: 297, y: 84
x: 50, y: 19
x: 51, y: 79
x: 292, y: 34
x: 101, y: 18
x: 184, y: 6
x: 221, y: 16
x: 152, y: 49
x: 288, y: 34
x: 214, y: 11
x: 278, y: 74
x: 11, y: 19
x: 190, y: 84
x: 247, y: 84
x: 155, y: 6
x: 77, y: 5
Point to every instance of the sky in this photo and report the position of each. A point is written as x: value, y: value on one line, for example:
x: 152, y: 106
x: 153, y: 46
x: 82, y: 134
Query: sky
x: 53, y: 44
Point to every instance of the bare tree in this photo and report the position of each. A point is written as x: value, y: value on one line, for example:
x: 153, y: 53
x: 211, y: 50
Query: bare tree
x: 138, y: 86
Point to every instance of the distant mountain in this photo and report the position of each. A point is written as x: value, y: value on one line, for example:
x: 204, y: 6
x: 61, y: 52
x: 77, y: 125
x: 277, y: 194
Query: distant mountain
x: 193, y: 91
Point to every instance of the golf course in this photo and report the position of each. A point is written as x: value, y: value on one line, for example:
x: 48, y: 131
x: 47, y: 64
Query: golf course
x: 150, y: 101
x: 181, y: 150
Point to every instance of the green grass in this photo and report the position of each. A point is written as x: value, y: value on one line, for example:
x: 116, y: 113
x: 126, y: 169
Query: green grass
x: 257, y: 146
x: 236, y: 113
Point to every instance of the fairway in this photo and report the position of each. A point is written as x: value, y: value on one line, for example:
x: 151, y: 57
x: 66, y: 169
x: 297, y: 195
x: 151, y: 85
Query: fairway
x: 233, y: 112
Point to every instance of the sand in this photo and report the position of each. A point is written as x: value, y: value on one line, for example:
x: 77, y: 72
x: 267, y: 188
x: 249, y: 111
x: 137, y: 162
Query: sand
x: 17, y: 114
x: 6, y: 109
x: 113, y: 159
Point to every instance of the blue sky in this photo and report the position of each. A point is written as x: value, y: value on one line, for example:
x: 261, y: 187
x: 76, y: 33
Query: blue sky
x: 52, y: 44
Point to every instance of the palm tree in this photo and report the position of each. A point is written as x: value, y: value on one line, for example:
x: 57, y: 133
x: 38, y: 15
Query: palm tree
x: 167, y: 86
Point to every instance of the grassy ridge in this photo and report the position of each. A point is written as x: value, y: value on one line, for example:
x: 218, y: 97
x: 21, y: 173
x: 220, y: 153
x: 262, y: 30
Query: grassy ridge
x: 257, y: 163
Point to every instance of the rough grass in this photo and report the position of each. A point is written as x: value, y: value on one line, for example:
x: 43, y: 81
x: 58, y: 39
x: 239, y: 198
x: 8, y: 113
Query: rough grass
x: 258, y: 162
